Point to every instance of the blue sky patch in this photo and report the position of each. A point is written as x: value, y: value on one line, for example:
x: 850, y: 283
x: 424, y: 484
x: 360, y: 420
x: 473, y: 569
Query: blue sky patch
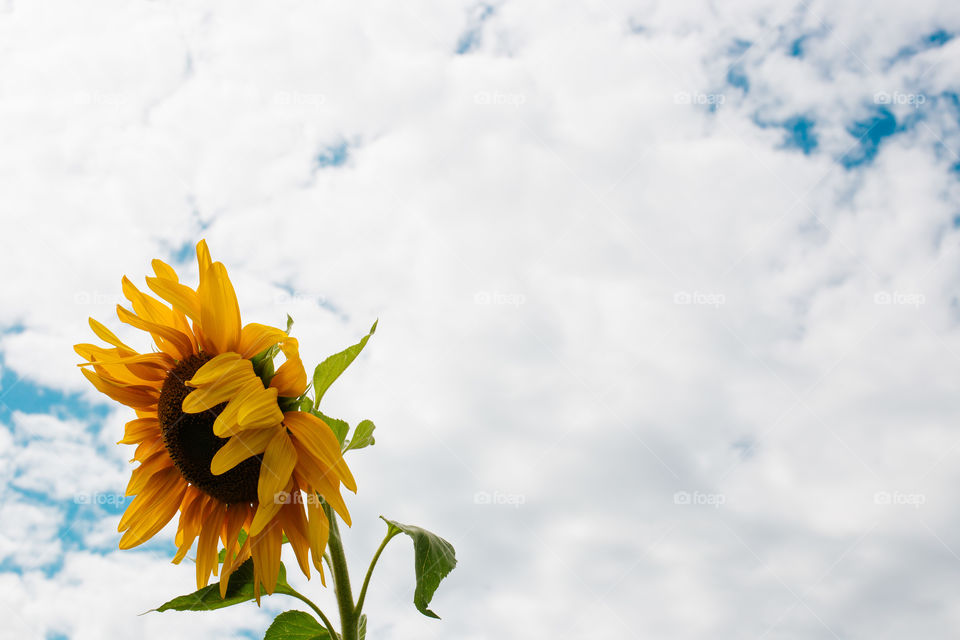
x: 870, y: 133
x: 19, y: 394
x: 932, y: 40
x: 801, y: 134
x: 332, y: 156
x: 470, y: 39
x: 737, y: 77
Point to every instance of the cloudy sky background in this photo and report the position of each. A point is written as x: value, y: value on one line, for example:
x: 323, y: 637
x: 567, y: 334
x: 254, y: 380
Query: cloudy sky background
x: 668, y: 300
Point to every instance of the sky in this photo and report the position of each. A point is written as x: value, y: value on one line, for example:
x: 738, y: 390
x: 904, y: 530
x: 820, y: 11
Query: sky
x: 668, y: 300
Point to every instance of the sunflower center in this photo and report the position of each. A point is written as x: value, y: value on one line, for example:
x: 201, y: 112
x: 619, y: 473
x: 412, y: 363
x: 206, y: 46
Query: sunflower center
x: 191, y: 443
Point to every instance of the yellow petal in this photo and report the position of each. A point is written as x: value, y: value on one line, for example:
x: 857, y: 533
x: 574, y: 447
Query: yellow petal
x: 236, y: 516
x: 317, y: 530
x: 130, y: 395
x: 260, y: 410
x: 140, y: 429
x: 290, y: 379
x: 207, y: 545
x: 220, y: 391
x: 192, y: 510
x: 203, y: 257
x: 107, y: 336
x: 266, y: 512
x: 218, y: 367
x: 168, y: 339
x: 294, y: 524
x: 254, y: 338
x: 318, y: 439
x: 278, y: 462
x: 163, y: 270
x: 265, y: 548
x: 317, y: 480
x: 180, y: 296
x: 156, y: 510
x: 219, y: 311
x: 240, y: 447
x: 141, y: 476
x: 227, y: 423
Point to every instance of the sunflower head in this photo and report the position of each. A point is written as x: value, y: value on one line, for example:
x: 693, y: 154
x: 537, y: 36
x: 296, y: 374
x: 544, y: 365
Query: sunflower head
x: 220, y: 438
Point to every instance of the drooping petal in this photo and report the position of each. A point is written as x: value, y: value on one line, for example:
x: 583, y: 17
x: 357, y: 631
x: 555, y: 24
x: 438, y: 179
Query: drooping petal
x: 152, y: 510
x: 279, y: 461
x: 294, y: 524
x: 318, y: 530
x: 207, y: 545
x: 265, y: 547
x: 318, y: 439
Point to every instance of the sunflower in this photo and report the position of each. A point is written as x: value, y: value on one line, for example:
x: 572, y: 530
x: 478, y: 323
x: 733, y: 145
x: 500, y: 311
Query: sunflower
x: 213, y: 440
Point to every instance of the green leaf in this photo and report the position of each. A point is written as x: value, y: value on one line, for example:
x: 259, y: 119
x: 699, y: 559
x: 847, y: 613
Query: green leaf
x: 362, y: 436
x: 331, y: 368
x: 240, y: 589
x: 362, y: 626
x: 296, y: 625
x: 339, y: 427
x: 433, y: 559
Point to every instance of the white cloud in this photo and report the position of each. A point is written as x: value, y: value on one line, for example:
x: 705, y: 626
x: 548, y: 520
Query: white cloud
x: 594, y: 293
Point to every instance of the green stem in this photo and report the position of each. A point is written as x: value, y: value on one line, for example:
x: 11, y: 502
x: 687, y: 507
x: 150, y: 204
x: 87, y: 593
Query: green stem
x: 341, y: 579
x: 316, y: 609
x: 373, y: 563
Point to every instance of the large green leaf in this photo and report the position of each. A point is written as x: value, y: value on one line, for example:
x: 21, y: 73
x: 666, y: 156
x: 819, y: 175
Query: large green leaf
x: 239, y: 589
x: 331, y: 368
x: 296, y: 625
x: 362, y: 436
x: 433, y: 559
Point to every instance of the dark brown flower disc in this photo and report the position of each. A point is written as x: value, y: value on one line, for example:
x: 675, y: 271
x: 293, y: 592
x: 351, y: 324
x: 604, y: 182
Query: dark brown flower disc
x: 191, y: 443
